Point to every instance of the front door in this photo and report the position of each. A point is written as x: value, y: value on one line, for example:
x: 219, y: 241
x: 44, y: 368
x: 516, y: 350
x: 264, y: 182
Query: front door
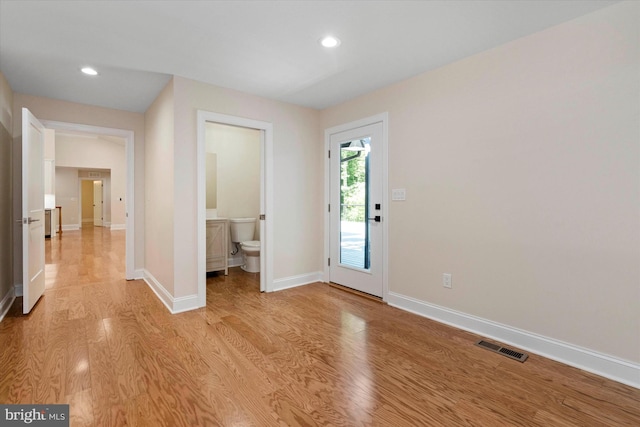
x: 357, y: 237
x: 32, y: 210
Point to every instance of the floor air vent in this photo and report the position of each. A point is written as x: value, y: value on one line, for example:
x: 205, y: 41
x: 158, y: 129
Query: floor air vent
x: 512, y: 354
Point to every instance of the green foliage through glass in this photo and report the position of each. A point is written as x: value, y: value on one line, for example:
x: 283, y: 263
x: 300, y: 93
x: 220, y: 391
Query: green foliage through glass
x: 353, y: 183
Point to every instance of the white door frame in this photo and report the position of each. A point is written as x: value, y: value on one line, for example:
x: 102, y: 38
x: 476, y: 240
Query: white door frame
x: 266, y: 197
x: 378, y: 118
x: 129, y: 197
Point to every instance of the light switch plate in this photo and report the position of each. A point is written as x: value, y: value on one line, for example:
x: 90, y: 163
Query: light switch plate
x: 398, y: 194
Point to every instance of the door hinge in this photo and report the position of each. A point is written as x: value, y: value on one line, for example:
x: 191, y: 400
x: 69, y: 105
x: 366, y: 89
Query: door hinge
x: 263, y: 217
x: 329, y: 207
x: 329, y: 262
x: 329, y: 153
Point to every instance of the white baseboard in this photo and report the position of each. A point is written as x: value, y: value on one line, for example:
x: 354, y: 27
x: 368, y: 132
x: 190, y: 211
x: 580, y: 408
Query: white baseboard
x: 87, y: 220
x: 187, y: 303
x: 118, y: 227
x: 106, y: 224
x: 294, y: 281
x: 174, y: 305
x: 588, y: 360
x: 235, y: 261
x: 71, y: 227
x: 6, y: 302
x: 138, y: 274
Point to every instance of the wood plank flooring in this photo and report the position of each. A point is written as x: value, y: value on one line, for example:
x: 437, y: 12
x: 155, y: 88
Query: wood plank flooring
x: 308, y: 356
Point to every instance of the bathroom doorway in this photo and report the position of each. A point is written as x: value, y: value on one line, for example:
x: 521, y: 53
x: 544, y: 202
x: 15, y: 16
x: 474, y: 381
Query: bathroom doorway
x: 233, y: 181
x: 230, y: 201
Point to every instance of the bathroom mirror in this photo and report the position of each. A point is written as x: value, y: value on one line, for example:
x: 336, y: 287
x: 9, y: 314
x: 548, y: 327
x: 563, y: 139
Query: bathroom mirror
x: 212, y: 184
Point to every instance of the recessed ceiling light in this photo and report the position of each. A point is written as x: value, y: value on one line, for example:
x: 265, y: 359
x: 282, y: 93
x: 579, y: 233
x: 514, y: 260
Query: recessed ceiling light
x: 330, y: 41
x: 89, y: 71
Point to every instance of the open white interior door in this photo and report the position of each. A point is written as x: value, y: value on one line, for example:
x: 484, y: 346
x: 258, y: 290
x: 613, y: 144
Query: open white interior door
x: 97, y: 203
x: 32, y: 210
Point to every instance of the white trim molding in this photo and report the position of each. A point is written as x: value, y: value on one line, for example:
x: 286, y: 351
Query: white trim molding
x: 187, y: 303
x: 295, y: 281
x: 235, y: 260
x: 174, y: 305
x: 113, y: 227
x: 71, y: 227
x: 588, y: 360
x: 7, y: 302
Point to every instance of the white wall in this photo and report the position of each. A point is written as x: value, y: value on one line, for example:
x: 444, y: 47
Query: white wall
x: 96, y: 153
x: 238, y: 170
x: 159, y: 185
x: 6, y: 224
x: 521, y: 166
x: 67, y: 196
x: 298, y: 165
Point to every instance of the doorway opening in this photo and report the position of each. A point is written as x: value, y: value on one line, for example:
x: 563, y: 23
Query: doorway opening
x: 122, y: 202
x: 233, y: 189
x: 262, y: 134
x: 94, y: 200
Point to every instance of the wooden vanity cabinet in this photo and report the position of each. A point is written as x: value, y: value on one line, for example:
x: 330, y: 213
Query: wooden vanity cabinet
x: 217, y: 237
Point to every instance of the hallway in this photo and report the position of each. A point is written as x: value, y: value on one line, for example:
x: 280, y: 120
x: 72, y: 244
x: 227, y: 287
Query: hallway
x: 312, y: 355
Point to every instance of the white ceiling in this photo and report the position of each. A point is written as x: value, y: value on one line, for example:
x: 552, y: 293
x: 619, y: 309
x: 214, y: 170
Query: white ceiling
x: 267, y: 48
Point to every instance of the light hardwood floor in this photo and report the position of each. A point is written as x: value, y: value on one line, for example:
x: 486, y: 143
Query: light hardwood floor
x: 312, y: 355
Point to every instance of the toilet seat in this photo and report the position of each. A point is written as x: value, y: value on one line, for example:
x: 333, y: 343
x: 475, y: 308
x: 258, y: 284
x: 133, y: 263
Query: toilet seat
x: 251, y: 244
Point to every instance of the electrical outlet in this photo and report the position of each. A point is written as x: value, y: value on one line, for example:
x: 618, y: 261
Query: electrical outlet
x: 446, y: 280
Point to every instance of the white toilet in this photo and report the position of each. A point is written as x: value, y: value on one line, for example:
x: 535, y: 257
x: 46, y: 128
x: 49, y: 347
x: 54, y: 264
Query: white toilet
x: 242, y: 230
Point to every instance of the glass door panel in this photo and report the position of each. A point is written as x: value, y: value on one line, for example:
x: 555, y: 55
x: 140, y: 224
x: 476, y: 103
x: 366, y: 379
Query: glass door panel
x: 354, y: 203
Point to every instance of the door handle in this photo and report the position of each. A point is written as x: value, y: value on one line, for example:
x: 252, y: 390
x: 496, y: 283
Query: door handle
x: 376, y: 218
x: 30, y: 220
